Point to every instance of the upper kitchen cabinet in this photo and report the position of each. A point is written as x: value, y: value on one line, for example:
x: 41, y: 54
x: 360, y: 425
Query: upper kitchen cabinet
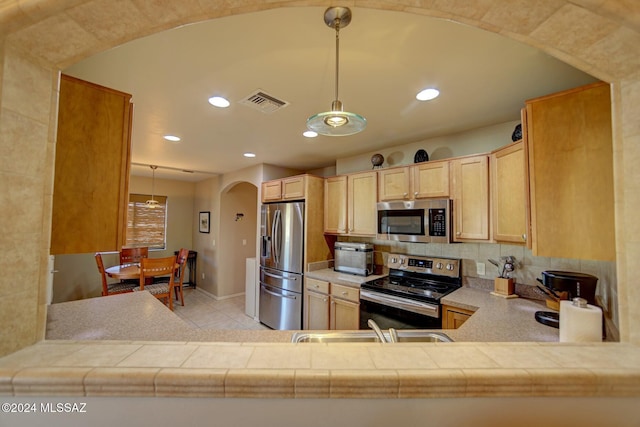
x: 93, y: 148
x: 335, y: 202
x: 510, y: 194
x: 350, y: 202
x: 470, y: 194
x: 571, y: 174
x: 394, y: 184
x: 420, y: 181
x: 291, y: 188
x: 430, y: 179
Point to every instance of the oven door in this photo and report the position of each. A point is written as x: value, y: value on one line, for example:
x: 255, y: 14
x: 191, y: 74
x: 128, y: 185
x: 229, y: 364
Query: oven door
x: 390, y: 311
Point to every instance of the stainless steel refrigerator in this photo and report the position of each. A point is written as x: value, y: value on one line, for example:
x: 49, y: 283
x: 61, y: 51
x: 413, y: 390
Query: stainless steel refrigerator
x: 281, y: 265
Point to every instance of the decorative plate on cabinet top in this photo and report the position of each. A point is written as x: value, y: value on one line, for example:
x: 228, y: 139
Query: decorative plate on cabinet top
x: 421, y: 156
x: 377, y: 160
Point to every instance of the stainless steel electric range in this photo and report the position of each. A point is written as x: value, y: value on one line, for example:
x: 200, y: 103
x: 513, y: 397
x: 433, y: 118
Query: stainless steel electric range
x: 409, y: 297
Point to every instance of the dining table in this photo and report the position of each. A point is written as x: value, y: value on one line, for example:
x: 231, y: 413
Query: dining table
x: 124, y: 271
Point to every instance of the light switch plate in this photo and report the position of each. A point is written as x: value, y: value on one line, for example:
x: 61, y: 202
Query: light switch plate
x: 480, y: 268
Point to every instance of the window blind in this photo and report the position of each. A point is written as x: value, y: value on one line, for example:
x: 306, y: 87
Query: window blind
x: 146, y: 226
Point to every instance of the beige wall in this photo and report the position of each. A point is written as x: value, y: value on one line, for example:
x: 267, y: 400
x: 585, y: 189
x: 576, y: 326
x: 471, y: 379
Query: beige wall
x: 40, y: 38
x: 482, y: 140
x: 237, y: 237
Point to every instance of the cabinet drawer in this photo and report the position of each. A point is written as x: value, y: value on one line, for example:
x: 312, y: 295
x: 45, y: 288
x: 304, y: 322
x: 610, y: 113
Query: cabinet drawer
x: 345, y: 292
x: 316, y: 285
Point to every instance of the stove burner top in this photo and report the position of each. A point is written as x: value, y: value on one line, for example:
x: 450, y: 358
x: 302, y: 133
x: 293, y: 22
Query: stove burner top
x: 412, y: 280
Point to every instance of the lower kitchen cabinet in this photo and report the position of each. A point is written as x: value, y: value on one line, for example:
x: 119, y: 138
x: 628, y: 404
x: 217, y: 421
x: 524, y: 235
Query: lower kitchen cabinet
x: 316, y: 304
x: 330, y: 306
x: 345, y: 307
x: 454, y: 317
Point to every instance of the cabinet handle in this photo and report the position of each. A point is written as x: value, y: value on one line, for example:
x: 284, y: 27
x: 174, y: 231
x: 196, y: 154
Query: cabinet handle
x: 405, y: 195
x: 415, y: 194
x: 345, y: 293
x: 457, y: 233
x: 325, y: 300
x: 524, y: 237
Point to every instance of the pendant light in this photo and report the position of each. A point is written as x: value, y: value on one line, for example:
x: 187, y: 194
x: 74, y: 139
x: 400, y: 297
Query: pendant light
x: 337, y: 122
x: 152, y: 204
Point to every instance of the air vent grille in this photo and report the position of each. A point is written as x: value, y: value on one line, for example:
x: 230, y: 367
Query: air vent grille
x: 264, y: 102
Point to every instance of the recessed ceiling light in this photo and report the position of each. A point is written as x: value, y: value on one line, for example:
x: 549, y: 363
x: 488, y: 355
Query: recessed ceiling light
x: 249, y: 154
x: 427, y: 94
x: 218, y: 101
x: 310, y: 134
x: 172, y: 138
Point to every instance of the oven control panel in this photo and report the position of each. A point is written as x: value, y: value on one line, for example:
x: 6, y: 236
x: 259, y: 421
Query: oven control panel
x: 438, y: 266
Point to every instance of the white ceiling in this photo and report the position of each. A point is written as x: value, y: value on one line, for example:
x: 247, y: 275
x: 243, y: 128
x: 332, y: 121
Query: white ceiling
x: 385, y: 59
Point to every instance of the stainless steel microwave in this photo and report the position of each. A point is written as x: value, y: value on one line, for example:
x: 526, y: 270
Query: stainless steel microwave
x: 420, y: 221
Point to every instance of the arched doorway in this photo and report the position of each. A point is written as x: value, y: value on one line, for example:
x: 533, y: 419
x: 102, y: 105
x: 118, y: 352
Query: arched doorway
x: 601, y: 39
x: 238, y: 236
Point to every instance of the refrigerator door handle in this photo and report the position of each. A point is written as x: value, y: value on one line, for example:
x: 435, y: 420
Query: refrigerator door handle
x: 277, y: 241
x: 277, y: 295
x: 275, y: 276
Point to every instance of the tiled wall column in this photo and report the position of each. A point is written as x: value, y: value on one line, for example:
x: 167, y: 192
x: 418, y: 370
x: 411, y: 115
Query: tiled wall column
x: 25, y: 198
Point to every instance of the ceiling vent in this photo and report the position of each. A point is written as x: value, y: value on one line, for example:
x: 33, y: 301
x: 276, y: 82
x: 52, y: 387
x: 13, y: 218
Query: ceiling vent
x: 264, y: 102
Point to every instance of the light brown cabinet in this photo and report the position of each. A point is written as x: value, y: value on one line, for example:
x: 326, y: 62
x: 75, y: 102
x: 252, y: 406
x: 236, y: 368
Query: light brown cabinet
x: 292, y: 188
x: 335, y: 201
x: 454, y: 317
x: 345, y: 307
x: 421, y: 181
x: 509, y: 194
x: 316, y: 304
x: 330, y: 306
x: 470, y: 194
x: 571, y: 174
x: 351, y: 204
x: 91, y: 183
x: 430, y: 179
x: 394, y: 184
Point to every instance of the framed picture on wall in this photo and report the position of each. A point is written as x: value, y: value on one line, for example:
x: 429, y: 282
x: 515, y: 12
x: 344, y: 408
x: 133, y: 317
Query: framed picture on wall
x: 205, y: 222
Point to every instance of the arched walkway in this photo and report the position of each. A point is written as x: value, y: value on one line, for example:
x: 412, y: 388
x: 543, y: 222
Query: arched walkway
x: 42, y: 37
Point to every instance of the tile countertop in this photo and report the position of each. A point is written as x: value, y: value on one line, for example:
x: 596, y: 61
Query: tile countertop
x: 186, y: 364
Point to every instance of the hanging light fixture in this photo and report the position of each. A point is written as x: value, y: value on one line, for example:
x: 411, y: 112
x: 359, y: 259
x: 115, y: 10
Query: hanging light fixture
x: 152, y: 204
x: 337, y: 122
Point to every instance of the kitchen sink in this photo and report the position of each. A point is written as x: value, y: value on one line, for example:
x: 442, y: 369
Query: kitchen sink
x: 404, y: 335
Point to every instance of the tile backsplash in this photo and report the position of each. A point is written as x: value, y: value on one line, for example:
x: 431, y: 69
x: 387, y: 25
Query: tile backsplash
x: 529, y: 267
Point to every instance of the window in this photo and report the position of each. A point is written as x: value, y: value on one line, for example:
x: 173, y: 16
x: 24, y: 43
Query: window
x: 146, y: 226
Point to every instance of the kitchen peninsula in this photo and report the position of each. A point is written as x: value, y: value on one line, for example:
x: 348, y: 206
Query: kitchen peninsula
x: 212, y: 365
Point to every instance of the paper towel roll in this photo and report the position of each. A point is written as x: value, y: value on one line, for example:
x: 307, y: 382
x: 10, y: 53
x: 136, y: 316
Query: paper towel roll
x: 580, y: 323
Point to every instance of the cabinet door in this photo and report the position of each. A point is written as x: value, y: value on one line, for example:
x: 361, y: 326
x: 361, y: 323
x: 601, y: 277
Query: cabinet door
x: 335, y: 205
x: 453, y: 318
x: 430, y: 179
x: 344, y: 314
x: 571, y: 167
x: 272, y: 191
x: 394, y: 184
x: 316, y: 311
x: 471, y: 198
x: 361, y: 203
x: 293, y: 188
x: 509, y: 194
x: 91, y: 183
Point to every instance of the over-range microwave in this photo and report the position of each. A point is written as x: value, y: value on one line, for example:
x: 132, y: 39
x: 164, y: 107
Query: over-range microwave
x: 420, y: 221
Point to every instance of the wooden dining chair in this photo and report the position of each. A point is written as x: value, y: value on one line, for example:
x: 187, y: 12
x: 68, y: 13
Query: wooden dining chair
x: 112, y: 288
x: 158, y: 267
x: 133, y: 255
x: 181, y: 260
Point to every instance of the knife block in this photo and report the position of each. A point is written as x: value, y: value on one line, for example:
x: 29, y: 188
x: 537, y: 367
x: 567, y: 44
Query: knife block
x: 504, y: 288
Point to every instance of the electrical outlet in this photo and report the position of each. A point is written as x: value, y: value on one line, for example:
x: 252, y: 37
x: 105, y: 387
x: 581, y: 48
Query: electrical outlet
x: 244, y: 242
x: 213, y: 242
x: 480, y: 268
x: 202, y: 276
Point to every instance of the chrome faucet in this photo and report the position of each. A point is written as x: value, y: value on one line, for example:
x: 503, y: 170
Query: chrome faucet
x: 393, y: 335
x: 373, y: 325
